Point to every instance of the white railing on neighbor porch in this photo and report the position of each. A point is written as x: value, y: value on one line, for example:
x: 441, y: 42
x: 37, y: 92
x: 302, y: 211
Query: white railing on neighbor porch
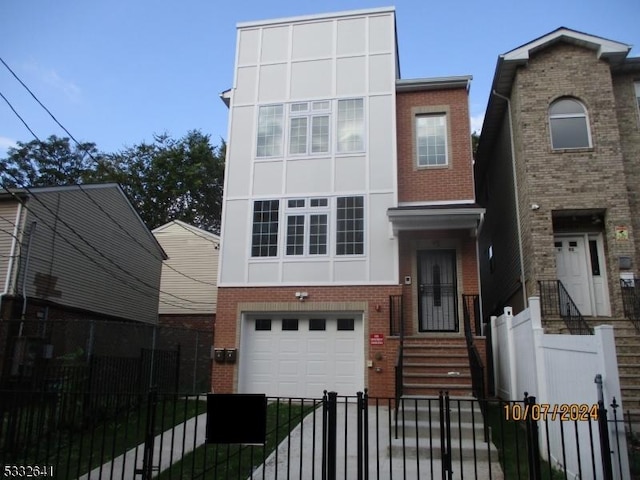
x: 557, y: 369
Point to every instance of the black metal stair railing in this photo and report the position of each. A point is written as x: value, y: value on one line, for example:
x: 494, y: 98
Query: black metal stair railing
x: 631, y: 300
x: 471, y: 312
x: 555, y: 300
x: 396, y: 322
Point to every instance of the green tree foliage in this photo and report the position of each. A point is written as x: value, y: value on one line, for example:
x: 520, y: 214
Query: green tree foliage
x: 53, y: 162
x: 165, y: 180
x: 475, y: 139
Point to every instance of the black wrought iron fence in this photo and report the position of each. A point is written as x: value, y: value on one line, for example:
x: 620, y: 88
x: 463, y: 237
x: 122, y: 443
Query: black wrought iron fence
x: 163, y: 435
x: 103, y: 356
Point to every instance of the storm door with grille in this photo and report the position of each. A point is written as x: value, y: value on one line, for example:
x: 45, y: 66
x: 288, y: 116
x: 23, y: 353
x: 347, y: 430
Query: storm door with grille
x: 437, y: 308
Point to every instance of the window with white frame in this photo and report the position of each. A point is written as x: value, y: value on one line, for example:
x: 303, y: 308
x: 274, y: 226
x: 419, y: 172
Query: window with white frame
x: 431, y: 140
x: 264, y: 242
x: 350, y: 125
x: 307, y: 226
x: 270, y: 126
x: 350, y: 225
x: 309, y: 127
x: 569, y: 124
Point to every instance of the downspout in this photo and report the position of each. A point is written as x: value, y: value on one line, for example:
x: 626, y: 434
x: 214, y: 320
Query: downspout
x: 515, y: 187
x: 32, y: 231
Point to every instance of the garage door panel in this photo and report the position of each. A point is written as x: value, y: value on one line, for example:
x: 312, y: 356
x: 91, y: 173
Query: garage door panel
x: 302, y: 362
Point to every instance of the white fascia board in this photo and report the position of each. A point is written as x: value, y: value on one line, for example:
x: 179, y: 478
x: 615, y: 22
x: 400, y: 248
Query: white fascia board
x: 320, y: 16
x: 603, y: 46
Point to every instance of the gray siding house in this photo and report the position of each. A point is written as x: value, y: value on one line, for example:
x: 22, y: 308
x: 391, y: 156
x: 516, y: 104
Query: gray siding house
x: 81, y: 249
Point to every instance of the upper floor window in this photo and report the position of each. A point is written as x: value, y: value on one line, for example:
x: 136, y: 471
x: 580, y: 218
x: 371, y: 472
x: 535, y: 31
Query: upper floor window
x: 350, y: 126
x: 270, y: 122
x: 569, y: 124
x: 264, y: 241
x: 309, y: 127
x: 350, y: 226
x: 431, y: 140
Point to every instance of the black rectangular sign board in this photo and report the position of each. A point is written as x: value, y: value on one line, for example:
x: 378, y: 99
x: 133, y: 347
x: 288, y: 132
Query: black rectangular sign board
x: 236, y: 418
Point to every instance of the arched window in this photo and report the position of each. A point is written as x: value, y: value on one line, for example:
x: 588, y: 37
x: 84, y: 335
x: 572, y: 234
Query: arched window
x: 569, y: 124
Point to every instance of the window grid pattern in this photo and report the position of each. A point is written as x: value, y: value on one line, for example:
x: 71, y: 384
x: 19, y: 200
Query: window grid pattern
x: 568, y: 124
x: 350, y: 226
x: 265, y: 228
x: 270, y: 122
x: 431, y: 137
x: 295, y: 235
x: 318, y: 234
x: 320, y: 134
x: 298, y: 136
x: 309, y: 128
x: 350, y: 125
x: 307, y: 228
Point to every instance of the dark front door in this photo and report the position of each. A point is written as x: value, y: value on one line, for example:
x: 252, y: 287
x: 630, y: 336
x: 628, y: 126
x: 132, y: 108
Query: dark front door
x: 437, y: 309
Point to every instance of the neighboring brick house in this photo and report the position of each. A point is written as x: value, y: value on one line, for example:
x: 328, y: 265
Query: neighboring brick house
x: 349, y: 217
x: 68, y: 256
x: 558, y: 171
x: 570, y: 130
x: 190, y: 273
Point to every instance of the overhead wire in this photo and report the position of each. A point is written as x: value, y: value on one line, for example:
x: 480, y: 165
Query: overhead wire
x: 28, y: 190
x: 78, y: 144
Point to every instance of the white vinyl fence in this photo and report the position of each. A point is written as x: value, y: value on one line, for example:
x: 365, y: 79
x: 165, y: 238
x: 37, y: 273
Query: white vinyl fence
x: 557, y: 369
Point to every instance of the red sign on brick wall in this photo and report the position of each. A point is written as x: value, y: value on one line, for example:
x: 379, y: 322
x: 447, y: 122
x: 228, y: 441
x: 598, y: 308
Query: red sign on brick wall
x: 376, y: 339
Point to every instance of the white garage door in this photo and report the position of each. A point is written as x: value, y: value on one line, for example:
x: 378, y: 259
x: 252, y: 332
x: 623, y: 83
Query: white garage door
x: 289, y: 356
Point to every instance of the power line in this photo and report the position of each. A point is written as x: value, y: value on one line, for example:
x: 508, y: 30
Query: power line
x: 71, y: 228
x: 92, y: 260
x: 78, y: 144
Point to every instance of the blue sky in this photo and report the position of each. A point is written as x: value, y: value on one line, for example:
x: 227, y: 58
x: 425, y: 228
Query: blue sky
x: 116, y: 72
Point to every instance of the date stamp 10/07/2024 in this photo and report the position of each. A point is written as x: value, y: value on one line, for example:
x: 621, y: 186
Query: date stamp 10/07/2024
x: 26, y: 471
x: 566, y: 412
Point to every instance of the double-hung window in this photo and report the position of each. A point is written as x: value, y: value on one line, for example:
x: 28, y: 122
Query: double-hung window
x: 309, y: 127
x: 350, y: 225
x: 307, y: 226
x: 350, y: 125
x: 270, y: 126
x: 569, y: 124
x: 431, y: 140
x: 264, y: 241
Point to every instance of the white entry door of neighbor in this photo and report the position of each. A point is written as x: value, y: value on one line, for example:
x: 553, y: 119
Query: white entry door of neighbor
x: 581, y: 269
x: 571, y: 265
x: 301, y: 356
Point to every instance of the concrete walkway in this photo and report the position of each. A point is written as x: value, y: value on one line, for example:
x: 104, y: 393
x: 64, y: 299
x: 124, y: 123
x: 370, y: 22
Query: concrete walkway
x: 299, y: 456
x: 169, y: 448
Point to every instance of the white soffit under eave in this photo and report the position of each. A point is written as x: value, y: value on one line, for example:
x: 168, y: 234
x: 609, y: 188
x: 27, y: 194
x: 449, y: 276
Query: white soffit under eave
x: 604, y: 47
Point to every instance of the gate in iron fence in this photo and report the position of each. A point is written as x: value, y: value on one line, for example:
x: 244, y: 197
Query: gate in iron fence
x: 158, y: 435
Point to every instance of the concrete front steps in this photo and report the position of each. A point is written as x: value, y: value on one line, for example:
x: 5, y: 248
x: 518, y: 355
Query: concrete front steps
x: 419, y: 434
x: 434, y: 364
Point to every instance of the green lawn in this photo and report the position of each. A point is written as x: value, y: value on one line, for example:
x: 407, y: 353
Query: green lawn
x: 235, y: 461
x: 509, y: 437
x: 75, y: 438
